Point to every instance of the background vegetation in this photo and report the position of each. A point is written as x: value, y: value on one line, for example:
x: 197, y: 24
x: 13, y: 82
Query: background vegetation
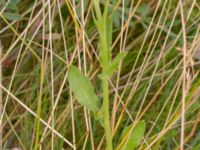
x: 155, y: 89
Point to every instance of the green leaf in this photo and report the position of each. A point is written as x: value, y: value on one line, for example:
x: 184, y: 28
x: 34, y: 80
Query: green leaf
x: 15, y: 2
x: 12, y: 16
x: 11, y: 6
x: 111, y: 68
x: 133, y: 136
x: 83, y: 89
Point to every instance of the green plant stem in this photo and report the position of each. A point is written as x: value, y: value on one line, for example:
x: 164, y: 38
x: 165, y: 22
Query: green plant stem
x: 104, y: 54
x: 105, y: 109
x: 105, y: 50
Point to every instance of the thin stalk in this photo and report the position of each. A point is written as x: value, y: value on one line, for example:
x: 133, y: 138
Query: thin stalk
x: 105, y: 109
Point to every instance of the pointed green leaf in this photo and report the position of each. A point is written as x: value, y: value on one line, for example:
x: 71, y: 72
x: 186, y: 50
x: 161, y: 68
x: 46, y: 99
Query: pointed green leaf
x: 113, y: 66
x: 133, y: 136
x: 12, y: 16
x: 83, y: 89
